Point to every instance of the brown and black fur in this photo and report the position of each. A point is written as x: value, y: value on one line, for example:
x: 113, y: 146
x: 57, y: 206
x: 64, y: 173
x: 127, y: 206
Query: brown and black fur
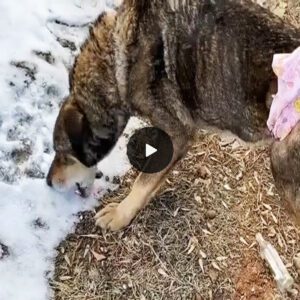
x: 178, y: 64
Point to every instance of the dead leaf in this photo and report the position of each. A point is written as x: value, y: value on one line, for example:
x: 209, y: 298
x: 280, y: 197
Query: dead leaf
x: 98, y: 256
x: 67, y: 260
x: 215, y: 265
x: 162, y: 272
x: 201, y: 264
x: 64, y: 278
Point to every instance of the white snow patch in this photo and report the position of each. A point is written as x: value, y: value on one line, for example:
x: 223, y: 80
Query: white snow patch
x: 33, y: 217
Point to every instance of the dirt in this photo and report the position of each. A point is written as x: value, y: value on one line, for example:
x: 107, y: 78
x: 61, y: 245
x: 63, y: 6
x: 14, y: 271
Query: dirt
x: 253, y: 281
x: 196, y: 239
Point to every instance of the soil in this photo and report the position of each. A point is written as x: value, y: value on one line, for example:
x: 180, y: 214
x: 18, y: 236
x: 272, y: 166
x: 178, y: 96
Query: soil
x: 195, y: 239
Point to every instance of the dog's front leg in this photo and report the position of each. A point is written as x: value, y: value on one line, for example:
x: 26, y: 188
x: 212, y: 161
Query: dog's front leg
x: 115, y: 216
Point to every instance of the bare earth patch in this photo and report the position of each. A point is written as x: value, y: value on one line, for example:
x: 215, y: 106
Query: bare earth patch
x: 252, y: 281
x: 196, y: 240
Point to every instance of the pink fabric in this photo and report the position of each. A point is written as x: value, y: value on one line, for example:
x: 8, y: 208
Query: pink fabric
x: 285, y: 108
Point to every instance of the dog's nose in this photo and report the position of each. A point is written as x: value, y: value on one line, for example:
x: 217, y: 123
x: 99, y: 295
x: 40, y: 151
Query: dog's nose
x: 49, y: 175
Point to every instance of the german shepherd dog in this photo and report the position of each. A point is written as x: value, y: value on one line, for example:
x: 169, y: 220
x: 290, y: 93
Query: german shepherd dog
x: 178, y: 64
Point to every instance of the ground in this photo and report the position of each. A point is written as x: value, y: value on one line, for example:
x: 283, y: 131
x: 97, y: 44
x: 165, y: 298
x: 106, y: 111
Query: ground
x: 196, y: 240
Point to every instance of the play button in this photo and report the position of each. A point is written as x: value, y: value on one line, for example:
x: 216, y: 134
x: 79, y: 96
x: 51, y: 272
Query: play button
x: 150, y: 150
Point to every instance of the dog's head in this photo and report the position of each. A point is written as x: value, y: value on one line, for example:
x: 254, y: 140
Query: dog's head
x: 79, y: 148
x: 91, y: 119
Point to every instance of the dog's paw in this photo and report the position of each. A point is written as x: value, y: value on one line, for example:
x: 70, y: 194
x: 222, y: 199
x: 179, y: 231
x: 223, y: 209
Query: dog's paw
x: 111, y: 217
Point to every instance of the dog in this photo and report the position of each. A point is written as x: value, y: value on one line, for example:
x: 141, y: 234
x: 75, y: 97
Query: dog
x: 178, y: 64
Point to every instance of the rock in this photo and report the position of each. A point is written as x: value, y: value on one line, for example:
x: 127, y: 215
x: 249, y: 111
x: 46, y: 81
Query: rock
x: 211, y: 214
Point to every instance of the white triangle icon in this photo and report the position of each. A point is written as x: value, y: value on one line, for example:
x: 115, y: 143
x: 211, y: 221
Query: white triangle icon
x: 150, y: 150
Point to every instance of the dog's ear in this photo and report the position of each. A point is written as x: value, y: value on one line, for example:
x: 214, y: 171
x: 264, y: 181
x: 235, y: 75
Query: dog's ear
x: 74, y: 124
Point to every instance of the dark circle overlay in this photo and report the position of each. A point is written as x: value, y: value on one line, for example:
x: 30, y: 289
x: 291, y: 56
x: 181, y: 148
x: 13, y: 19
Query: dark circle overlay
x: 156, y: 138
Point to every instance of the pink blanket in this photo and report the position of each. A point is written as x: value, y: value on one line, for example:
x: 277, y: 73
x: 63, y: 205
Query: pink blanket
x: 285, y: 109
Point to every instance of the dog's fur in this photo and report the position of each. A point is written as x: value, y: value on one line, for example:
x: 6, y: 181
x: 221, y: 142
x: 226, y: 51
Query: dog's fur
x: 177, y: 64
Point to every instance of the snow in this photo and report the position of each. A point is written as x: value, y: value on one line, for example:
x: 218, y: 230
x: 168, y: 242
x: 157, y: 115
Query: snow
x: 37, y: 50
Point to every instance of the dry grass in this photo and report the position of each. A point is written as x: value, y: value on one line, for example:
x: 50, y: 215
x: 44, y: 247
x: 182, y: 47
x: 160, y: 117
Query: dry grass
x: 196, y: 240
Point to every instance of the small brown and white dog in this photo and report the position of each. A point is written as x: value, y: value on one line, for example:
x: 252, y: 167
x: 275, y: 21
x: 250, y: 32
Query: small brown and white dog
x: 177, y: 64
